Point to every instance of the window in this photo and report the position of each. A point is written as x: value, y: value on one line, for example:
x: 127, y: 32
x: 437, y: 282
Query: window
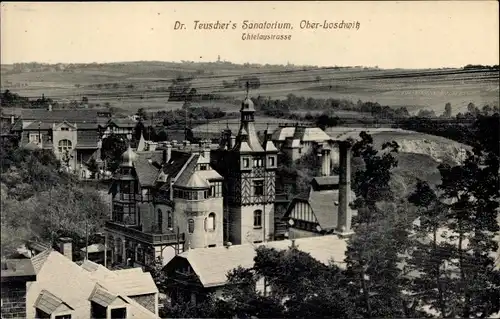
x: 216, y: 189
x: 203, y: 167
x: 64, y: 145
x: 160, y: 220
x: 35, y: 138
x: 258, y: 188
x: 169, y: 219
x: 211, y: 222
x: 119, y: 313
x: 271, y: 161
x: 212, y: 246
x: 257, y: 162
x: 64, y: 128
x: 257, y: 219
x: 63, y: 317
x: 246, y: 162
x: 190, y: 226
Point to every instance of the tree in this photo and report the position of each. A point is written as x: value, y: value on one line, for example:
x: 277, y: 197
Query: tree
x: 433, y: 285
x: 374, y: 252
x: 112, y: 149
x: 471, y: 195
x: 142, y: 114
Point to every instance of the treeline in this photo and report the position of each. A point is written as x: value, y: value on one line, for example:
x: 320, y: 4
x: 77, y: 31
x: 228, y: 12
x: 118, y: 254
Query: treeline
x: 241, y: 82
x: 479, y: 66
x: 9, y: 99
x: 297, y: 103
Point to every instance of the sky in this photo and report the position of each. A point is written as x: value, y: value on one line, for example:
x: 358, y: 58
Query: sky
x: 423, y: 34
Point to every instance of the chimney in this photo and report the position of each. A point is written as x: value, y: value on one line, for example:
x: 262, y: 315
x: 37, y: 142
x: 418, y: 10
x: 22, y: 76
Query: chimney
x: 344, y: 210
x: 66, y: 247
x: 152, y: 146
x: 325, y: 162
x: 49, y: 108
x: 232, y: 141
x: 167, y: 153
x: 206, y: 149
x: 12, y: 119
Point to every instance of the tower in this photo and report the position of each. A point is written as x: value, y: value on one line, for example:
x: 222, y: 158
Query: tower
x: 250, y: 175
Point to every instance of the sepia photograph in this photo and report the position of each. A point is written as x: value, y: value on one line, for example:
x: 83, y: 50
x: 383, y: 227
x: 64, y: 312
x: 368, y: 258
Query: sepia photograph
x: 250, y: 159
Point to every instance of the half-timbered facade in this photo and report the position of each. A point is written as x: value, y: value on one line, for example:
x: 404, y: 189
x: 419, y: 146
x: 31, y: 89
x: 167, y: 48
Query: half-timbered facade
x: 249, y: 167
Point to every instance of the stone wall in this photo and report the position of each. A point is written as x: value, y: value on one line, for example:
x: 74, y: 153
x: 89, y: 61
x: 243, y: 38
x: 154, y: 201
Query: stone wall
x: 14, y: 300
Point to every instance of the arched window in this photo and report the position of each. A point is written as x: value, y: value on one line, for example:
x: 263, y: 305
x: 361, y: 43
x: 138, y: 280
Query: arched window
x: 257, y: 218
x: 64, y: 145
x: 169, y: 219
x: 211, y: 222
x: 191, y: 226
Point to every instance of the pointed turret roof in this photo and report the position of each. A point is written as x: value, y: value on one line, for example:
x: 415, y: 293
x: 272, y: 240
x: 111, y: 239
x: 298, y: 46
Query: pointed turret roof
x: 196, y: 182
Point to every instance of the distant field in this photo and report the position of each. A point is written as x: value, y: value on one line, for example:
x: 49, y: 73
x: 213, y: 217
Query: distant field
x: 413, y: 89
x: 339, y: 113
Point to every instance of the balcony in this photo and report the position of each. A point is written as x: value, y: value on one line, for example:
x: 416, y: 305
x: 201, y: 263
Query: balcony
x: 150, y: 238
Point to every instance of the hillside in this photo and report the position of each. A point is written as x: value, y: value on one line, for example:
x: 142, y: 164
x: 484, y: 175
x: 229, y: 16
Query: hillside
x: 137, y: 85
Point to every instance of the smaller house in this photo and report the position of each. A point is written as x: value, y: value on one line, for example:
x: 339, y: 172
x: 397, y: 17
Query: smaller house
x: 65, y: 290
x: 315, y: 212
x: 197, y: 272
x: 15, y: 275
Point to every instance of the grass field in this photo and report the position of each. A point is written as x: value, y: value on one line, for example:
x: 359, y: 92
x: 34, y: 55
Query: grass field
x: 413, y: 89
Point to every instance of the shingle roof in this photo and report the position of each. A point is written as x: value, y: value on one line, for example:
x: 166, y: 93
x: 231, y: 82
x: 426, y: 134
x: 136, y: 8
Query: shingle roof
x: 48, y: 302
x: 146, y: 171
x: 211, y: 265
x: 39, y: 260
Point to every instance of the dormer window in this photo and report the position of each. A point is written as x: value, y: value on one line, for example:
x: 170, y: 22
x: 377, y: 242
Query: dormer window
x: 203, y: 167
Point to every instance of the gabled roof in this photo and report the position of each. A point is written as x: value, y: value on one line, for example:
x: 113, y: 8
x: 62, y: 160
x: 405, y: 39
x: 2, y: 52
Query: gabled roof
x: 324, y: 205
x: 48, y: 302
x: 74, y: 285
x: 123, y: 122
x: 211, y: 265
x: 103, y: 297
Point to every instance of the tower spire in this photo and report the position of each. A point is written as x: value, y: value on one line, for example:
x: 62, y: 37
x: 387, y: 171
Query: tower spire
x: 247, y: 87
